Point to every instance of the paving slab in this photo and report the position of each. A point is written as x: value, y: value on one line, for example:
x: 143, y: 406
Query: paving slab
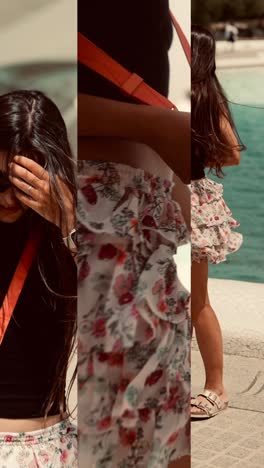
x: 220, y: 442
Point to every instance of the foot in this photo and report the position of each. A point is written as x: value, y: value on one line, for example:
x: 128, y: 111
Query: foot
x: 208, y: 403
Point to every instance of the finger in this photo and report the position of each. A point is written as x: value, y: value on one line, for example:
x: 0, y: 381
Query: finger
x: 23, y: 174
x: 36, y: 205
x: 24, y: 187
x: 32, y: 166
x: 26, y: 200
x: 20, y: 172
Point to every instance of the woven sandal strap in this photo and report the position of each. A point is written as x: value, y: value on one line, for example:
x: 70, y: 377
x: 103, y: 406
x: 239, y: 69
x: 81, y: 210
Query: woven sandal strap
x: 212, y: 398
x: 203, y: 408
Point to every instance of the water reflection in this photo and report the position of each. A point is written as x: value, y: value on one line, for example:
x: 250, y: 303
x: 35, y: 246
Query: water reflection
x: 58, y: 81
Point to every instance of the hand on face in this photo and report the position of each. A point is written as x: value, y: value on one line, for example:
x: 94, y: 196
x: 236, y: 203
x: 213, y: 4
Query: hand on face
x: 31, y: 184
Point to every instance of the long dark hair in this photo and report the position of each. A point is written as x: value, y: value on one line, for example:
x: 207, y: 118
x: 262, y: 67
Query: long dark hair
x: 31, y: 125
x: 209, y: 105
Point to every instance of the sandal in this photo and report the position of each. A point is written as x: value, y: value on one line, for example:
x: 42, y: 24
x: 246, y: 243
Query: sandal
x: 210, y: 408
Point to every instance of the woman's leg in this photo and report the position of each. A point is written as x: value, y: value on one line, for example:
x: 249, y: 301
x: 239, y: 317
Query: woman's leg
x: 184, y: 462
x: 207, y: 330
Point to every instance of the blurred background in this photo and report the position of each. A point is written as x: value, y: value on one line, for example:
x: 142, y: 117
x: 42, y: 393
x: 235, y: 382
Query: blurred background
x: 180, y: 79
x: 38, y: 46
x: 240, y: 68
x: 180, y: 86
x: 38, y: 50
x: 248, y: 15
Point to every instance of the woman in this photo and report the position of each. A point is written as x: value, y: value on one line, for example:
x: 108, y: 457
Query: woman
x: 37, y: 199
x: 215, y: 145
x: 133, y: 312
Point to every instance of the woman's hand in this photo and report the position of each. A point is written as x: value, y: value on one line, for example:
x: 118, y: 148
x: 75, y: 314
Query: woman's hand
x: 32, y: 188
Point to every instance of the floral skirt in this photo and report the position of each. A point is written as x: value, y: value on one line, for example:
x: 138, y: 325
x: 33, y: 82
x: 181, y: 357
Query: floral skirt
x: 212, y: 237
x: 53, y: 447
x: 134, y: 326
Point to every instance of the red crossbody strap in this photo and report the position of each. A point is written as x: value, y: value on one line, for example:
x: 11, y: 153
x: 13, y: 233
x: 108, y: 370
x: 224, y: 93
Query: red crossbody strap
x: 183, y: 39
x: 130, y: 83
x: 18, y: 281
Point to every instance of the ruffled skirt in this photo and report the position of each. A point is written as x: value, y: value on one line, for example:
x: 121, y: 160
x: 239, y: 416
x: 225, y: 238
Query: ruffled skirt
x: 212, y: 236
x: 54, y: 446
x: 134, y: 327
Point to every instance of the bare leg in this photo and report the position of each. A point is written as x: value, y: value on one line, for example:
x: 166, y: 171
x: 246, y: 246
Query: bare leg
x: 184, y: 462
x: 207, y: 330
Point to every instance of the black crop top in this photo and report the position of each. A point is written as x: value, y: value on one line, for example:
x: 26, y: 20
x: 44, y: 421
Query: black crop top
x: 197, y: 168
x: 138, y: 35
x: 35, y: 336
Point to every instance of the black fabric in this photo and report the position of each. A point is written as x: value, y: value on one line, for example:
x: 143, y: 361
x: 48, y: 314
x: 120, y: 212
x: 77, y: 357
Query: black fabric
x: 137, y: 34
x: 197, y: 169
x: 34, y: 339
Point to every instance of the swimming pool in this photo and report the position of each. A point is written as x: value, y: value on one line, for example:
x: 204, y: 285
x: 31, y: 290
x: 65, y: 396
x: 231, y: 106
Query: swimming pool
x: 243, y: 185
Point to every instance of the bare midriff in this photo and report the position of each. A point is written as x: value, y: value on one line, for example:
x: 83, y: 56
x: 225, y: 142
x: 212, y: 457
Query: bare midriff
x: 130, y: 153
x: 28, y: 425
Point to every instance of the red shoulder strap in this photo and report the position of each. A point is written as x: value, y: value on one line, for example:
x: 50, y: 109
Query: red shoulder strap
x: 130, y: 83
x: 183, y: 39
x: 18, y: 281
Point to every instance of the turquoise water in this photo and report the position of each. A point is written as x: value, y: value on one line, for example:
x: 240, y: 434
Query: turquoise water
x: 243, y: 184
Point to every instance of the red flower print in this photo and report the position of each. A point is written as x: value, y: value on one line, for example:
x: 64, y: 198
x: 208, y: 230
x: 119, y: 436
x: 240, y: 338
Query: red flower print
x: 172, y: 400
x: 149, y: 333
x: 158, y: 287
x: 90, y: 194
x: 127, y: 436
x: 134, y: 312
x: 216, y: 218
x: 116, y: 359
x: 154, y: 377
x: 144, y: 414
x: 92, y: 179
x: 149, y: 221
x: 90, y: 367
x: 107, y: 252
x: 147, y: 234
x: 123, y: 284
x: 9, y: 438
x: 64, y: 456
x: 162, y: 306
x: 169, y: 290
x: 104, y: 423
x: 126, y: 298
x: 123, y: 385
x: 174, y: 390
x: 84, y: 270
x: 155, y: 322
x: 134, y: 223
x: 121, y: 258
x: 173, y: 437
x: 129, y: 414
x: 102, y: 357
x: 45, y: 457
x: 98, y: 328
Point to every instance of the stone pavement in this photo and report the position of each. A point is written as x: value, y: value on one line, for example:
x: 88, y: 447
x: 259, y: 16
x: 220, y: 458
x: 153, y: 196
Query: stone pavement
x: 233, y: 439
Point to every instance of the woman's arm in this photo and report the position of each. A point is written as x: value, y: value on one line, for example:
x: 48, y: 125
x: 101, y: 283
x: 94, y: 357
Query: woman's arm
x: 166, y: 131
x: 233, y: 158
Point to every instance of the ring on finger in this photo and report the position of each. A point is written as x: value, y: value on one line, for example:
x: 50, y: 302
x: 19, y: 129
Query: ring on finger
x: 29, y: 189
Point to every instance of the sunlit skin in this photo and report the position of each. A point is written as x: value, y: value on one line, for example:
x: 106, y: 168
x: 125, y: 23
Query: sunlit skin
x: 11, y: 209
x: 31, y: 189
